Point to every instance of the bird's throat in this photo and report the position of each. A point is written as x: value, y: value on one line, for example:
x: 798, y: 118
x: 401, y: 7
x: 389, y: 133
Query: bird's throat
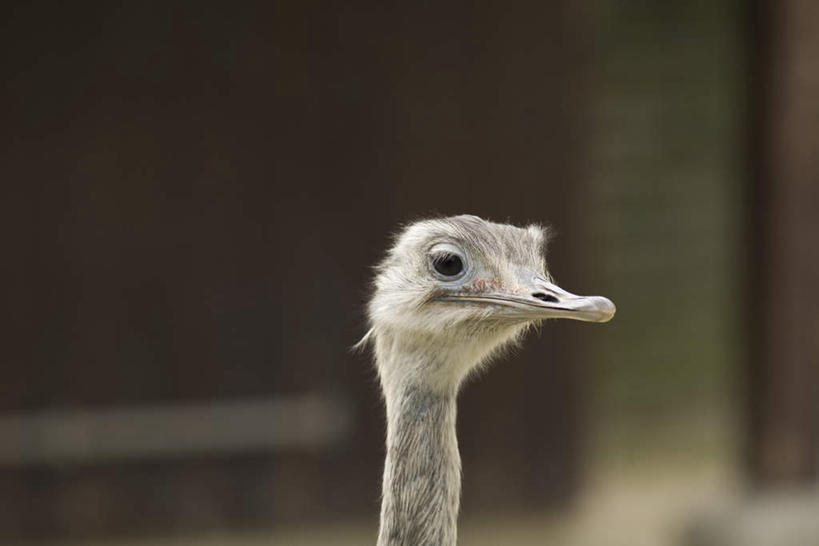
x: 422, y: 471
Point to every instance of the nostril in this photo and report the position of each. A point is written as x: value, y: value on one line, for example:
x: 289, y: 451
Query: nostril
x: 545, y: 297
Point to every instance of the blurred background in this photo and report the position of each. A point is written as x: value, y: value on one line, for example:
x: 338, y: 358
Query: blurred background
x: 194, y: 194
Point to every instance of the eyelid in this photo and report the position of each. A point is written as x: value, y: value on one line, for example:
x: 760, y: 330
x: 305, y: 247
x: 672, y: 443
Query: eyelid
x: 446, y: 248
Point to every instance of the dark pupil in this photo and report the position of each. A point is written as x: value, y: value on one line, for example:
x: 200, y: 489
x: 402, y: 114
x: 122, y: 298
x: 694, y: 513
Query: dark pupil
x: 448, y: 265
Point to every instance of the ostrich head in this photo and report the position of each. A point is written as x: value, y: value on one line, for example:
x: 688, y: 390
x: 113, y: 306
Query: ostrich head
x: 452, y: 291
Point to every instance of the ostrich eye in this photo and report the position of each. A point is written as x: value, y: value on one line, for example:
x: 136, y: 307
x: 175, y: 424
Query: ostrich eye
x: 448, y: 265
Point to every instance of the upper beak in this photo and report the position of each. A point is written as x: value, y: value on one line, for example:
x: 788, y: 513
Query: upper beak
x: 542, y: 299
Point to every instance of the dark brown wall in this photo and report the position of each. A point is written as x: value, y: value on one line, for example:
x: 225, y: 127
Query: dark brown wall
x: 195, y: 193
x: 783, y: 364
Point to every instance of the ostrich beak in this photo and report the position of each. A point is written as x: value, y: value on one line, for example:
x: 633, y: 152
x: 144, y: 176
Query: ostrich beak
x: 540, y: 299
x: 551, y: 301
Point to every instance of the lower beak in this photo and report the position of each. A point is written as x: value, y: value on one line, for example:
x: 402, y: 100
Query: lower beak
x: 544, y: 300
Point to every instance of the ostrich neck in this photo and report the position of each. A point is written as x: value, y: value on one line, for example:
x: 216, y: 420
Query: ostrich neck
x: 422, y: 471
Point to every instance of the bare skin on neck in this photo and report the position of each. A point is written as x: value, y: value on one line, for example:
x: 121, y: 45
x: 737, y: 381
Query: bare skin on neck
x: 422, y: 471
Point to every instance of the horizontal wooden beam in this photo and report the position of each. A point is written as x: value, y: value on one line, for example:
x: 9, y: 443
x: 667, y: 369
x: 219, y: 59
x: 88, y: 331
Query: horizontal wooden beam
x: 297, y: 422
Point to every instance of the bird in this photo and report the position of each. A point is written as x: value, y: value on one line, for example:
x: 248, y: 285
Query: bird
x: 449, y: 295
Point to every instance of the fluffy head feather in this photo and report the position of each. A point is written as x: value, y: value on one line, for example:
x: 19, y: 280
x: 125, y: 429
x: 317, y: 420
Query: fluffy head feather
x: 409, y: 311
